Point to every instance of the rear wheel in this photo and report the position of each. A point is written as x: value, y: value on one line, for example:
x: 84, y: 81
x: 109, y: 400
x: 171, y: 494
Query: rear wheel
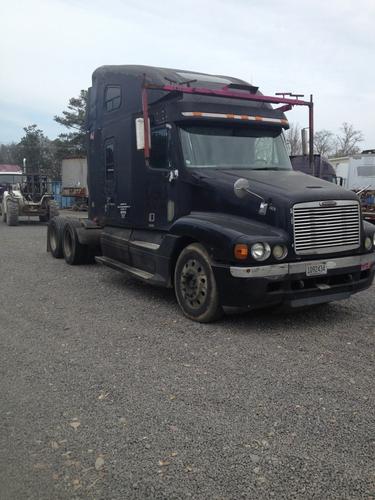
x: 55, y: 236
x: 74, y: 252
x: 195, y: 285
x: 12, y: 213
x: 52, y: 211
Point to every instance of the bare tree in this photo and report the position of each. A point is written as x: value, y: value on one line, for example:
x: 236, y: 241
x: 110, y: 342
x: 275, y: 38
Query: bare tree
x: 347, y: 142
x: 324, y: 142
x: 293, y: 139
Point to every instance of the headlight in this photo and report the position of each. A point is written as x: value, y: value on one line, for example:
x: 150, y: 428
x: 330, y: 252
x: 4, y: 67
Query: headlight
x: 373, y: 239
x: 280, y: 252
x: 260, y: 251
x: 368, y: 243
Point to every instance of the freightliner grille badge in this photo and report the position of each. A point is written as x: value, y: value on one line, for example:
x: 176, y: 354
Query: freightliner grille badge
x: 328, y: 203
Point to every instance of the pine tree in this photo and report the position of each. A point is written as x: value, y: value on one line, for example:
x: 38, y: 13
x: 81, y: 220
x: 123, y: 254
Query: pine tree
x: 73, y: 143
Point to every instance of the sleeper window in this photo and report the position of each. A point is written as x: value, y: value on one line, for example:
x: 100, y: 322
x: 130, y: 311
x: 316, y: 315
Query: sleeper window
x: 112, y: 97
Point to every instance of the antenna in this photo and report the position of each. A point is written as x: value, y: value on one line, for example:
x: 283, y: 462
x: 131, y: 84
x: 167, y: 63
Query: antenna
x: 290, y: 94
x: 184, y: 82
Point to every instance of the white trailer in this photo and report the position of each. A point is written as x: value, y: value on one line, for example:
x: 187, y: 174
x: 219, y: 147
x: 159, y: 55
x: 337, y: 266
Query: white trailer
x: 357, y: 171
x: 74, y: 177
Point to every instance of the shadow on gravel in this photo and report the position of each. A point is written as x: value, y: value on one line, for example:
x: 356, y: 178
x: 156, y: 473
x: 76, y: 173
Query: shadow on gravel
x: 126, y: 282
x: 296, y: 319
x: 304, y: 317
x: 31, y: 222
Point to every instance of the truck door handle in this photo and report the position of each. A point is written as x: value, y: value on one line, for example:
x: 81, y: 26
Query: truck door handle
x: 173, y: 175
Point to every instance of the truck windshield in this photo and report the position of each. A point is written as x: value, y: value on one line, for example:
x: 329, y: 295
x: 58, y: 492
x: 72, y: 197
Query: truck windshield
x: 234, y: 147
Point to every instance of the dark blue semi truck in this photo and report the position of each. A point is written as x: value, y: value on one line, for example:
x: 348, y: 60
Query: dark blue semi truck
x: 321, y: 167
x: 191, y: 187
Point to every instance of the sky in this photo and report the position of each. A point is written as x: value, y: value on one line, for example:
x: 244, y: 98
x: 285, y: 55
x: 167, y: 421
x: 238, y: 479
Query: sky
x: 49, y: 49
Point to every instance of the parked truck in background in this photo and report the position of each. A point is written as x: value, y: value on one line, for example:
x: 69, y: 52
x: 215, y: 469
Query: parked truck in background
x: 31, y: 196
x: 9, y: 174
x: 191, y: 187
x: 321, y: 167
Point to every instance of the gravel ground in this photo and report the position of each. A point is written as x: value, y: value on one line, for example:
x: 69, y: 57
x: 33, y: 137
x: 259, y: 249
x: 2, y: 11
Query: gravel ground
x: 107, y: 392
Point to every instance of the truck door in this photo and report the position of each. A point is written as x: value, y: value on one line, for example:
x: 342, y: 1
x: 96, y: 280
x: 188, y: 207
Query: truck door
x: 109, y: 148
x: 163, y: 181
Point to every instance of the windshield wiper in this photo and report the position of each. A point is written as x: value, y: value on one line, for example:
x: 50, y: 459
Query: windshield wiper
x: 235, y: 167
x: 270, y: 168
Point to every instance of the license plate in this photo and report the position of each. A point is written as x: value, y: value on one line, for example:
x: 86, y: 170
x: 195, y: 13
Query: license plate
x: 316, y: 269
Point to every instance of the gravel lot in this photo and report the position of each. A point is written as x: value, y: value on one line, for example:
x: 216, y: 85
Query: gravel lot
x: 107, y: 392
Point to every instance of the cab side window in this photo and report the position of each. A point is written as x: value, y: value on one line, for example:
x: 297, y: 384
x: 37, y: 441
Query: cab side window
x: 112, y: 97
x: 159, y: 147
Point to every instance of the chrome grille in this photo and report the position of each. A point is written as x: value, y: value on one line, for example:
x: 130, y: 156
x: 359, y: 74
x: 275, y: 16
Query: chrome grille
x: 319, y: 228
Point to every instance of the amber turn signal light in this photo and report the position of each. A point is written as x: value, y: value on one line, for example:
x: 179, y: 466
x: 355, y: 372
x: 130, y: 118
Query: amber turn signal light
x: 241, y: 251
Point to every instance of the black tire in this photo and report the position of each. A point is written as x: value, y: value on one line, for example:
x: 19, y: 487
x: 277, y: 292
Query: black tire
x: 3, y: 213
x: 55, y: 236
x: 195, y: 285
x: 52, y: 211
x: 74, y: 252
x: 12, y: 213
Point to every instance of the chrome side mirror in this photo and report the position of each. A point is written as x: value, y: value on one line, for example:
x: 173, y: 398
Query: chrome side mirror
x: 242, y: 188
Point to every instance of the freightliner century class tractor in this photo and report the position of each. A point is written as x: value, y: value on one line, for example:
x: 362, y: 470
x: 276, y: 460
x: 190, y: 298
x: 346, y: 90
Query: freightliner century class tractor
x: 191, y: 187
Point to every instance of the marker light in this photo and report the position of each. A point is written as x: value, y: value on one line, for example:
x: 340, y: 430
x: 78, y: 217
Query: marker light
x: 280, y: 252
x: 260, y: 251
x: 241, y: 251
x: 368, y: 243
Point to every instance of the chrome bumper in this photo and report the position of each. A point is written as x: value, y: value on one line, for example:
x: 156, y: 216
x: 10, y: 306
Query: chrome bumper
x: 288, y: 269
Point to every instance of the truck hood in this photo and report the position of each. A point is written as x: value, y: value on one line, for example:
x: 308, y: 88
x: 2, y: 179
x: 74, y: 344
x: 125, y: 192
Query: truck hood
x: 284, y: 186
x: 213, y: 191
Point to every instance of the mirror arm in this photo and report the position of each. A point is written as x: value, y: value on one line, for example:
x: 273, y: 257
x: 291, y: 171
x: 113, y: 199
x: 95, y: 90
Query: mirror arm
x: 263, y: 207
x: 242, y: 185
x: 254, y: 194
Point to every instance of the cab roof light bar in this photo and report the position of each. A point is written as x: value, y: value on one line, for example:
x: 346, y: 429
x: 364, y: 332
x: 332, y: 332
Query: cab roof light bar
x: 231, y: 116
x: 226, y: 92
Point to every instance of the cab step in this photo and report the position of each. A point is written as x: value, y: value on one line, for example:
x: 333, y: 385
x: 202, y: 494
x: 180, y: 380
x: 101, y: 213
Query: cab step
x: 120, y: 266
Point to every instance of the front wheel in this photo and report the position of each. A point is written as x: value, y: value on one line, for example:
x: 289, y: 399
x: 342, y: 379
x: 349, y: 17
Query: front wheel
x: 12, y: 213
x: 3, y: 214
x: 195, y: 285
